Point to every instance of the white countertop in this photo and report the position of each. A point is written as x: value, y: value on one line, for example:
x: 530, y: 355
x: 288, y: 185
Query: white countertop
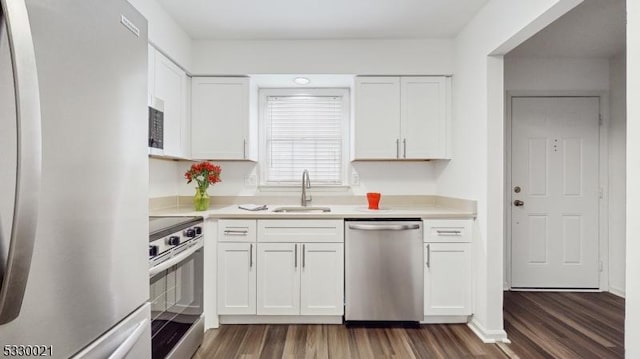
x: 337, y: 211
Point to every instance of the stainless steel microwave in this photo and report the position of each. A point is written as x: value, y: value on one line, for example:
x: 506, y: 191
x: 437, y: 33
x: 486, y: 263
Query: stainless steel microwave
x: 156, y: 127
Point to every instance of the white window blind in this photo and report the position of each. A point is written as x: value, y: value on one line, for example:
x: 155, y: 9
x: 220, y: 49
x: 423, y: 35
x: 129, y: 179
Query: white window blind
x: 304, y: 132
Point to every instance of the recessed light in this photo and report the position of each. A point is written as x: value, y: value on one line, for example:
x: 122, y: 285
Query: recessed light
x: 302, y: 80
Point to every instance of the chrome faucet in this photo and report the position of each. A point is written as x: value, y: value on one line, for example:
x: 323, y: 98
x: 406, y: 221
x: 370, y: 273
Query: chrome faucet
x: 306, y: 183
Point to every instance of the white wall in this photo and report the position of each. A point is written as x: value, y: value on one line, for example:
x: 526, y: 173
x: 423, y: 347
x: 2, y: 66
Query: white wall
x: 399, y: 178
x: 632, y: 310
x: 165, y: 33
x: 556, y: 74
x: 617, y: 173
x: 163, y: 178
x: 478, y: 146
x: 364, y: 57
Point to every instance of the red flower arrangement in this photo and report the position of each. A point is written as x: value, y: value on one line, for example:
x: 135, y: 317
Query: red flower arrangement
x: 204, y: 173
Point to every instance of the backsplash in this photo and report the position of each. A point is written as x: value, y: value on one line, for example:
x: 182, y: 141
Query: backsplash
x: 240, y: 179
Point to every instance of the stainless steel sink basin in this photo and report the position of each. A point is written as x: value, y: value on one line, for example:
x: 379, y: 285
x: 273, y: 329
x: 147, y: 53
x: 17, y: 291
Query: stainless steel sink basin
x: 300, y: 209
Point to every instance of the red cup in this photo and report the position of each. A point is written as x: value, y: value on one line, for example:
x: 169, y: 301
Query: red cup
x: 374, y: 200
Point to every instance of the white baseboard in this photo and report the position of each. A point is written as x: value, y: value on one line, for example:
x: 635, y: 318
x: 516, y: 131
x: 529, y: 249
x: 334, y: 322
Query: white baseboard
x: 506, y: 286
x: 617, y: 291
x: 445, y: 319
x: 488, y: 336
x: 280, y: 319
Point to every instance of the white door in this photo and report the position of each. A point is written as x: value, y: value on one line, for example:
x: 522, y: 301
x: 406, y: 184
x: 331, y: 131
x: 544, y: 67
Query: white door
x: 447, y: 279
x: 278, y: 279
x: 555, y: 181
x: 236, y: 278
x: 423, y: 124
x: 377, y: 118
x: 322, y: 282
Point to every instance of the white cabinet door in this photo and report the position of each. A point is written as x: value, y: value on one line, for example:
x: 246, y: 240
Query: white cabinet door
x: 424, y: 117
x: 151, y: 73
x: 322, y: 279
x: 278, y: 279
x: 170, y: 87
x: 236, y: 278
x: 447, y: 279
x: 220, y: 118
x: 377, y: 118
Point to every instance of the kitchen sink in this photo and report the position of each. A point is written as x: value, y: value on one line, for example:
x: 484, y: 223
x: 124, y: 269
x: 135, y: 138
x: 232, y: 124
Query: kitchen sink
x: 300, y: 209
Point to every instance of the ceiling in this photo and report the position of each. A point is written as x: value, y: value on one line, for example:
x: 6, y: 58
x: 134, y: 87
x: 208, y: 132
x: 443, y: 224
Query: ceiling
x: 595, y: 28
x: 321, y: 19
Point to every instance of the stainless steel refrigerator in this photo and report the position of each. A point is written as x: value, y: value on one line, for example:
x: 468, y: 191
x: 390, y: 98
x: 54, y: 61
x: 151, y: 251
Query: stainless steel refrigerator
x: 73, y: 179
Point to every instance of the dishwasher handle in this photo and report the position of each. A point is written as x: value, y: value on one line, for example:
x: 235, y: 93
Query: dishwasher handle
x: 384, y: 227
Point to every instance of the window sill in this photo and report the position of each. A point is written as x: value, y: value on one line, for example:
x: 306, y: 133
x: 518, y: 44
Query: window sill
x: 297, y: 189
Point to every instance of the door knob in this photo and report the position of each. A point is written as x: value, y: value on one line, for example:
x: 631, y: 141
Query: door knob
x: 518, y: 203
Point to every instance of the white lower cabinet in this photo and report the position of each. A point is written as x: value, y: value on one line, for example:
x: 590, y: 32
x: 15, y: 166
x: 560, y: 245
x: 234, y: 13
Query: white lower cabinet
x: 236, y: 278
x: 300, y: 279
x: 295, y: 269
x: 447, y: 279
x: 322, y: 279
x: 278, y: 279
x: 447, y: 270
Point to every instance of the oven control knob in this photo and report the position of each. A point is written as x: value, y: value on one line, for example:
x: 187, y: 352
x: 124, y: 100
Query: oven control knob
x: 198, y: 229
x: 153, y: 251
x: 190, y: 233
x: 173, y: 241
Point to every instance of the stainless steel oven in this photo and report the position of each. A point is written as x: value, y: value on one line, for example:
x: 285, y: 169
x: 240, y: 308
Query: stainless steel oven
x: 176, y: 251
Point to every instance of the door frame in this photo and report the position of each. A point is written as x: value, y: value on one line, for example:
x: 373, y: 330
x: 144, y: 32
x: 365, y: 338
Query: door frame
x: 603, y: 178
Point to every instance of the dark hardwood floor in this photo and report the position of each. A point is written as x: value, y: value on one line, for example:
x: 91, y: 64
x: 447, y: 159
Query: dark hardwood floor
x: 540, y: 325
x: 564, y: 325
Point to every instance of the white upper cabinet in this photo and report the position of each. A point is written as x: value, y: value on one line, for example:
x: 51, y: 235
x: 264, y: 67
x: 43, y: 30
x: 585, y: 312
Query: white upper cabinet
x: 220, y: 118
x: 402, y: 118
x: 168, y: 82
x: 423, y: 127
x: 377, y: 118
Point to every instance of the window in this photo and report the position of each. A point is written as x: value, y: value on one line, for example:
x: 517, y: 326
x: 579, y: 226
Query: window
x: 303, y: 129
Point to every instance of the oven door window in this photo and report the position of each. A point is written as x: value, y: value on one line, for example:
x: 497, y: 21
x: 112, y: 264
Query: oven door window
x: 176, y: 303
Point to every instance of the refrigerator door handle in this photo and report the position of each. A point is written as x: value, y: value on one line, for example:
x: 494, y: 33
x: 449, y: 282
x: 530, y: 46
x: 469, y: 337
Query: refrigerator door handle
x: 126, y: 346
x: 13, y: 278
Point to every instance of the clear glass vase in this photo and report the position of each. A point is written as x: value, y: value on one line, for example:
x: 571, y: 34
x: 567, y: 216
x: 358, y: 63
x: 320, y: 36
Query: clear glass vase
x: 201, y: 199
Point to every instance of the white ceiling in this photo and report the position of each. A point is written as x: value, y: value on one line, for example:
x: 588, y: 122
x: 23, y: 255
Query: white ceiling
x: 321, y: 19
x: 595, y: 28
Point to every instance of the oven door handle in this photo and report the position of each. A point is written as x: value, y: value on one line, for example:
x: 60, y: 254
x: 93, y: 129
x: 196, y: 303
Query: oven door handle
x: 175, y: 260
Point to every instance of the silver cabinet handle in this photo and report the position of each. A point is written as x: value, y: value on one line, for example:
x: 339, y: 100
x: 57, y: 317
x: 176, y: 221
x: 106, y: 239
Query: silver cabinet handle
x: 397, y: 148
x: 295, y: 256
x: 428, y: 256
x: 236, y: 232
x: 13, y: 278
x: 303, y: 255
x: 250, y: 255
x: 404, y: 145
x: 126, y: 346
x: 384, y: 227
x: 244, y: 148
x: 448, y: 232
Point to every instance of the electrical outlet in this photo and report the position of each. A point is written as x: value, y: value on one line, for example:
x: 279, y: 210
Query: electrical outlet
x: 250, y: 180
x: 355, y: 179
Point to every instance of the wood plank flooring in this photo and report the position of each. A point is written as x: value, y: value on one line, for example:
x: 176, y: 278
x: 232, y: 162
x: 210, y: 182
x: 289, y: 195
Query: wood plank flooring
x: 540, y: 325
x: 564, y: 325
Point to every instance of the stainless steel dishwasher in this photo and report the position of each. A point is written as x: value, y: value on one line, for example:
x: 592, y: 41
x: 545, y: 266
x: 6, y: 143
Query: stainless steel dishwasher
x: 384, y: 271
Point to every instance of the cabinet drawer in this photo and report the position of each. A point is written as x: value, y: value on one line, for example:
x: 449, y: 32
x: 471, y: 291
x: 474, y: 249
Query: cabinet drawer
x: 301, y: 230
x: 237, y: 230
x: 447, y: 231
